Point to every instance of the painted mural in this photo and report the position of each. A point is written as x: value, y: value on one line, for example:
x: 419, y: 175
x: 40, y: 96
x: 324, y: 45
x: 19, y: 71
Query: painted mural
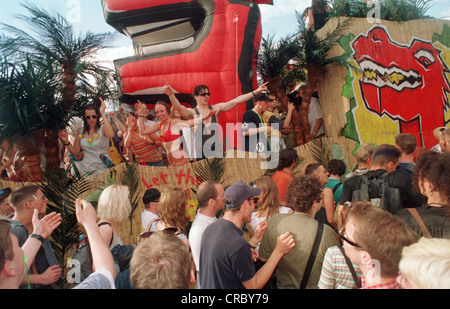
x: 396, y: 88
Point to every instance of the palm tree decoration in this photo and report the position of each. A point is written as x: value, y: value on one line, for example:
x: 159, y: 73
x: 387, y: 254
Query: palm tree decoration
x: 28, y: 115
x: 313, y: 57
x: 43, y: 71
x: 51, y: 39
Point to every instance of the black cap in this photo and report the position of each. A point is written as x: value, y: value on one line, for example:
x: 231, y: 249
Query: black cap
x: 151, y: 195
x: 262, y: 97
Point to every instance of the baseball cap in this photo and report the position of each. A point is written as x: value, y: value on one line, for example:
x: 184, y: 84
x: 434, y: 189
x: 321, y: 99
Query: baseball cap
x: 151, y: 195
x: 238, y: 192
x: 262, y: 97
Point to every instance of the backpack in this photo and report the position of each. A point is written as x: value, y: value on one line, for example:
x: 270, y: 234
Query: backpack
x: 376, y: 189
x: 82, y: 253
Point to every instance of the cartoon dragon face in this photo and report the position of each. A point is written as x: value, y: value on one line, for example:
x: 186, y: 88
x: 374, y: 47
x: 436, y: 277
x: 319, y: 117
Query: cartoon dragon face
x: 407, y: 83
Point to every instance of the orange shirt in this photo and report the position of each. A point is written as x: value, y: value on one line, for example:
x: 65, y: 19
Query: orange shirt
x: 282, y: 179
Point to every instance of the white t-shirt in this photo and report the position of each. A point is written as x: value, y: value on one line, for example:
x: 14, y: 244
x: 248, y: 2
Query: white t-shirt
x: 195, y: 235
x: 146, y: 218
x: 315, y: 113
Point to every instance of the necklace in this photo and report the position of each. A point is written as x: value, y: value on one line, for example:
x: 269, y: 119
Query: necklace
x: 90, y: 139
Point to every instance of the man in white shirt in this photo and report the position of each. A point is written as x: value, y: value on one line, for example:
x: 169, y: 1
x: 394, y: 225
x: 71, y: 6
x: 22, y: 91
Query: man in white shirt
x: 151, y: 202
x: 210, y: 201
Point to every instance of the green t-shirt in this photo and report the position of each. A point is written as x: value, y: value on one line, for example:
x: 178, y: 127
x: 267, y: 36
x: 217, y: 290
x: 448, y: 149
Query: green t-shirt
x: 292, y: 265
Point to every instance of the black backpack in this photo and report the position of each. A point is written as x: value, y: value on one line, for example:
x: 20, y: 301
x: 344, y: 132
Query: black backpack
x: 376, y: 189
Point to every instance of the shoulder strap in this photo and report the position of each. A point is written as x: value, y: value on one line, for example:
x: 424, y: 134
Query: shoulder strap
x: 147, y: 229
x: 352, y: 269
x: 112, y: 237
x: 336, y: 186
x: 312, y: 256
x: 419, y: 220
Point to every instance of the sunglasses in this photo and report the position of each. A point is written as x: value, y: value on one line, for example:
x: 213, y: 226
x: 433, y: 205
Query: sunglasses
x: 255, y: 199
x: 341, y: 235
x: 89, y: 117
x: 171, y: 230
x: 205, y: 94
x: 42, y: 198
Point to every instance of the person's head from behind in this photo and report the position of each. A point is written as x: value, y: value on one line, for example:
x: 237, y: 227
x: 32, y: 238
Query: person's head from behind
x: 161, y: 261
x: 426, y: 264
x: 444, y: 140
x: 269, y: 199
x: 431, y: 176
x: 287, y: 158
x: 12, y: 265
x: 27, y: 198
x: 319, y: 171
x: 173, y: 206
x: 386, y: 157
x: 304, y: 194
x: 210, y: 193
x: 406, y: 143
x: 336, y: 167
x: 374, y: 239
x: 364, y: 155
x: 114, y: 203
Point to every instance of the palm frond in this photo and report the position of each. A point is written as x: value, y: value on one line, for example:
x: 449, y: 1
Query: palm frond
x: 211, y: 169
x: 132, y: 179
x: 62, y: 192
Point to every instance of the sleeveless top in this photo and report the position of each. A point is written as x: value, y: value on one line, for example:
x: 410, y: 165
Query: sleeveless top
x: 144, y: 152
x: 207, y: 132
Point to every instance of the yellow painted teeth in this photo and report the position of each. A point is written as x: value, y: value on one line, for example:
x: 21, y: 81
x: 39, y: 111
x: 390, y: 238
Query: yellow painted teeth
x: 394, y: 78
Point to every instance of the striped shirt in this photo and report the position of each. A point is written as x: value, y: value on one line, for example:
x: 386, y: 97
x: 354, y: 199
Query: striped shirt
x: 335, y: 271
x: 393, y: 285
x: 144, y: 152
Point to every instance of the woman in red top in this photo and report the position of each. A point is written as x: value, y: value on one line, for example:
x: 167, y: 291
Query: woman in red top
x: 143, y: 147
x: 169, y: 130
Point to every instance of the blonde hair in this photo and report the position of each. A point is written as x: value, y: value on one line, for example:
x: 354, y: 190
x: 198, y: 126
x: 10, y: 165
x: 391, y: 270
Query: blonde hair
x: 365, y: 152
x: 160, y: 261
x: 172, y: 208
x: 114, y: 203
x: 269, y: 201
x: 427, y: 263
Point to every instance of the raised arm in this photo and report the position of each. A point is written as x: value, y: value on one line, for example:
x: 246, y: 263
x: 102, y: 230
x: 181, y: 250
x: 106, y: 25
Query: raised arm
x: 184, y: 111
x: 108, y: 130
x: 101, y: 255
x: 144, y: 130
x: 226, y: 106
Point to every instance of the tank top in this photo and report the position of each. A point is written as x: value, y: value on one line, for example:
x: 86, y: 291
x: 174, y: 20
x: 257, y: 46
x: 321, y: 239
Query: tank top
x: 206, y: 134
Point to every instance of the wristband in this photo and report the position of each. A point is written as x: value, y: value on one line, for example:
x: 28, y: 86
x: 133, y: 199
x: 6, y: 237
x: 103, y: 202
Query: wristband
x: 38, y: 237
x: 253, y: 94
x: 67, y: 144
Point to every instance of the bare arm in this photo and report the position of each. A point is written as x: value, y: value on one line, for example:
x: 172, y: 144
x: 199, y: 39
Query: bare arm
x: 285, y: 243
x: 108, y: 130
x: 226, y: 106
x: 184, y: 111
x: 101, y: 255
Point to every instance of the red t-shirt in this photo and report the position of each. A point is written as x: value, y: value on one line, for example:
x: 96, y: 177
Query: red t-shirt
x: 282, y: 179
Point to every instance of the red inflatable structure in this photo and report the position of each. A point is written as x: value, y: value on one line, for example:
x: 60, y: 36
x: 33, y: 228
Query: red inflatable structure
x: 211, y: 42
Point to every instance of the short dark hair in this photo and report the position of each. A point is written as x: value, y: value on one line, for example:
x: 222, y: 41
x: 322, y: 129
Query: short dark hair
x: 336, y: 167
x: 197, y: 89
x: 311, y: 168
x: 287, y: 157
x: 384, y: 154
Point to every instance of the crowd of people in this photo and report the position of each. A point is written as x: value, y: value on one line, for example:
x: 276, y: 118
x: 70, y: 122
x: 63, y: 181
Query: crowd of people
x: 355, y: 243
x: 383, y: 225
